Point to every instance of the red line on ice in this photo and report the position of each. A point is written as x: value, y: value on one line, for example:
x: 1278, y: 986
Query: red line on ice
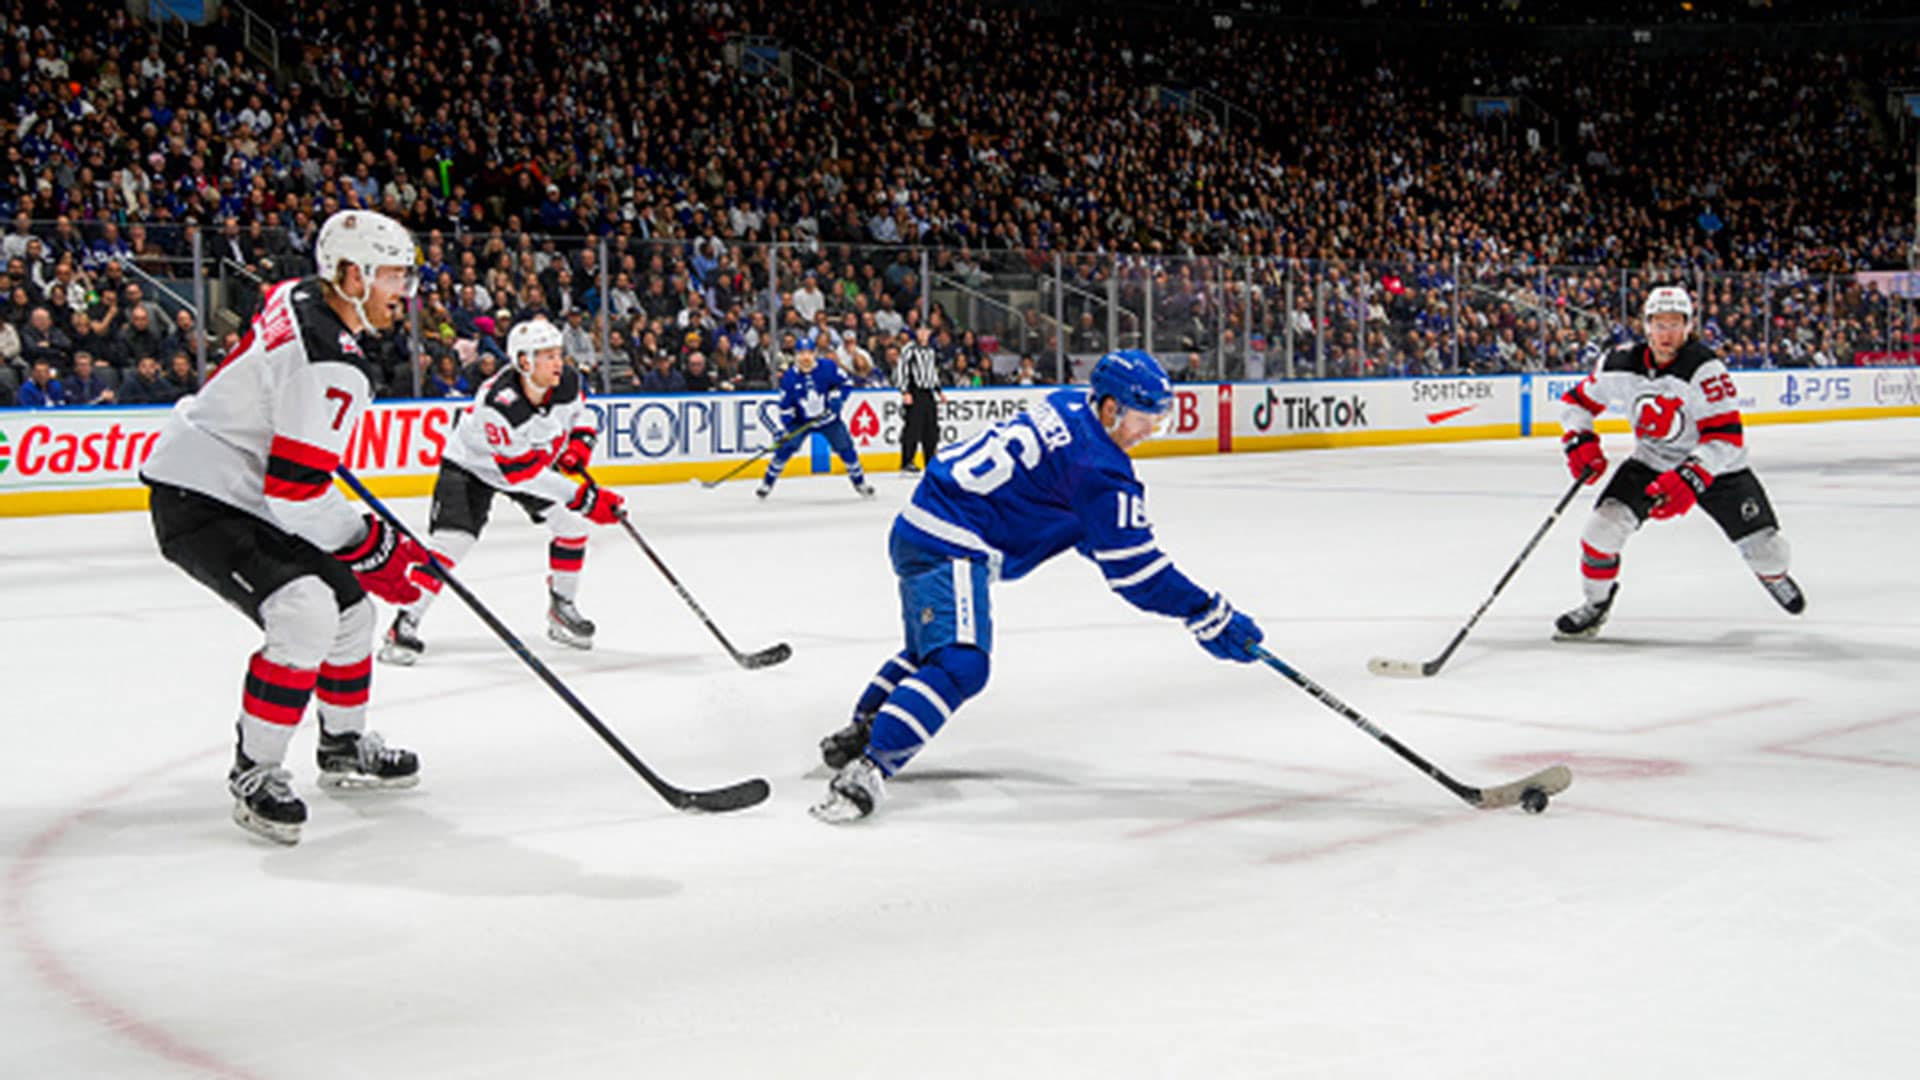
x: 1637, y: 729
x: 1693, y: 823
x: 1334, y: 847
x: 1256, y: 810
x: 45, y: 958
x: 1793, y: 747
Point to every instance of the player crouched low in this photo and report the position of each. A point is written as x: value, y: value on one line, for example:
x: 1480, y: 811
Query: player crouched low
x: 1689, y: 446
x: 528, y: 437
x: 812, y: 391
x: 996, y: 507
x: 243, y: 501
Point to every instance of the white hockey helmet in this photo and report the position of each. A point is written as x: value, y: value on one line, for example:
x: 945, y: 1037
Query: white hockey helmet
x: 1668, y: 299
x: 368, y: 240
x: 528, y: 338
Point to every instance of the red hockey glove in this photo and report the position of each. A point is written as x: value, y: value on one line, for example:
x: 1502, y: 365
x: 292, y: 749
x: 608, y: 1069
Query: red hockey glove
x: 381, y: 561
x: 578, y: 453
x: 597, y: 504
x: 1676, y: 490
x: 1584, y: 458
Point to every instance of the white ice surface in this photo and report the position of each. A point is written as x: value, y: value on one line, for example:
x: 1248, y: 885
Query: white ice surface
x: 1123, y: 860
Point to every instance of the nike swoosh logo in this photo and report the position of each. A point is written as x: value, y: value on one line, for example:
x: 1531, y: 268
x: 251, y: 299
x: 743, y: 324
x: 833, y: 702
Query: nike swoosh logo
x: 1443, y: 417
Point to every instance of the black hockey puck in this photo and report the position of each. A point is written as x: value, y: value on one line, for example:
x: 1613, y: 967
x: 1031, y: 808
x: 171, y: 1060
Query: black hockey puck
x: 1533, y: 800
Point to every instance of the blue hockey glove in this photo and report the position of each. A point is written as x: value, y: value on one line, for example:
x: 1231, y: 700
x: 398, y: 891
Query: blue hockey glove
x: 1226, y: 634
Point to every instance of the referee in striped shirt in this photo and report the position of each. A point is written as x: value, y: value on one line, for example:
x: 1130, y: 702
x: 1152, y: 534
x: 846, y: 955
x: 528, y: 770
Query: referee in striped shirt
x: 918, y: 377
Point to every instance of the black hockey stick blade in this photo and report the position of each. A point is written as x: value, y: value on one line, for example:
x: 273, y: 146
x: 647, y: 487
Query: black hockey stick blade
x: 733, y: 797
x: 720, y: 800
x: 767, y: 657
x: 1551, y: 780
x: 777, y: 653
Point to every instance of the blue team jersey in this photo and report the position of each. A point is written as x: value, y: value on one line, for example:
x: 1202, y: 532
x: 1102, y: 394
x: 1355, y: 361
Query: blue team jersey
x: 1042, y: 482
x: 810, y: 395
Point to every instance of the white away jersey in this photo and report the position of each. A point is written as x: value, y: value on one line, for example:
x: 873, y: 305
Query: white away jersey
x: 266, y: 431
x: 1687, y: 409
x: 511, y: 443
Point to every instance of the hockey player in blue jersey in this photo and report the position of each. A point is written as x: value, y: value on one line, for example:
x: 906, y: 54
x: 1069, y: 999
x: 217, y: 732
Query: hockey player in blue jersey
x: 811, y: 393
x: 994, y: 508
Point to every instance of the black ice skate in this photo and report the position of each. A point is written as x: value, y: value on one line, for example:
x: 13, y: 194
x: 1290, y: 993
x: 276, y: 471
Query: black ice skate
x: 765, y: 489
x: 402, y: 644
x: 1585, y: 620
x: 852, y: 794
x: 361, y: 759
x: 846, y: 744
x: 566, y: 625
x: 865, y: 489
x: 263, y: 800
x: 1786, y: 592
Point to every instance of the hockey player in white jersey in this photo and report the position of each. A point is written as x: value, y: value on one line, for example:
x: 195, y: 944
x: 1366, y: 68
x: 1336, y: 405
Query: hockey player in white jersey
x: 242, y: 499
x: 529, y: 437
x: 1688, y: 447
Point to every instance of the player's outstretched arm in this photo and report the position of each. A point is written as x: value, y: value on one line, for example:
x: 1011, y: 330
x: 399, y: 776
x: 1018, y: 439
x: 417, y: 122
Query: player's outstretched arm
x: 1121, y: 543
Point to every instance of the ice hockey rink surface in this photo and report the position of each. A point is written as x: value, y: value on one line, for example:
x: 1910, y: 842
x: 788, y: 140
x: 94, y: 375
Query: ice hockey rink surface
x: 1124, y: 860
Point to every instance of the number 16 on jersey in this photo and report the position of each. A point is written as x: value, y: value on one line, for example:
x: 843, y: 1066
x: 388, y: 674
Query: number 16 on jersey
x: 987, y: 461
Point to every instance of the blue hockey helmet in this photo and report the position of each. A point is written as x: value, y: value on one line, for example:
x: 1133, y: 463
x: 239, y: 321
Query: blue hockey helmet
x: 1134, y: 379
x: 802, y: 344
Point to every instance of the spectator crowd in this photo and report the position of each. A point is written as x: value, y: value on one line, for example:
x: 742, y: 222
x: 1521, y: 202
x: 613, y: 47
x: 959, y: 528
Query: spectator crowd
x: 1320, y: 204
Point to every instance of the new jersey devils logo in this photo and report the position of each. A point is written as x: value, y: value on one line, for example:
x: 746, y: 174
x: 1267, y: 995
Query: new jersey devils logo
x: 1656, y: 418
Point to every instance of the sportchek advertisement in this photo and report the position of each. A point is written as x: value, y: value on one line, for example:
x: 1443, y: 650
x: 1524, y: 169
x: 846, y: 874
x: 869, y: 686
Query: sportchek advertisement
x: 82, y: 459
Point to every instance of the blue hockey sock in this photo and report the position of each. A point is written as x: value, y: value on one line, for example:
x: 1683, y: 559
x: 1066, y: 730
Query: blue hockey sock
x: 778, y: 465
x: 922, y: 703
x: 897, y: 667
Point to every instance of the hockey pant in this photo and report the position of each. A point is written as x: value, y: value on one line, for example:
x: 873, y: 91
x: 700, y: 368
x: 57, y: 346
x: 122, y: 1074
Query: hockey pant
x: 317, y: 622
x: 1736, y: 501
x: 948, y: 619
x: 835, y: 431
x: 462, y: 503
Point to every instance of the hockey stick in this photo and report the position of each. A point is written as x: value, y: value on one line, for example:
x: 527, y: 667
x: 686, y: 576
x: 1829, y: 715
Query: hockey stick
x: 1407, y: 669
x: 732, y: 797
x: 748, y: 464
x: 767, y: 657
x: 1530, y: 792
